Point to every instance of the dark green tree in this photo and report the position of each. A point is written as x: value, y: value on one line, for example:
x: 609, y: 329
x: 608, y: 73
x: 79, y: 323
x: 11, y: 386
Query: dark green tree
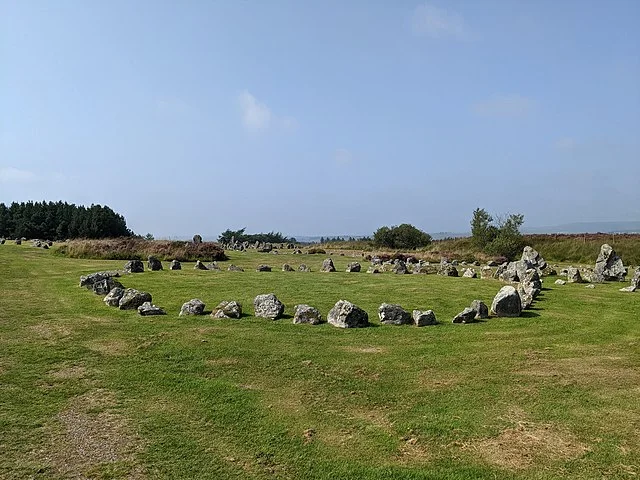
x: 404, y: 236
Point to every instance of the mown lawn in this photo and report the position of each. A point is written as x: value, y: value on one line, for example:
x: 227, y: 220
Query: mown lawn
x: 88, y: 391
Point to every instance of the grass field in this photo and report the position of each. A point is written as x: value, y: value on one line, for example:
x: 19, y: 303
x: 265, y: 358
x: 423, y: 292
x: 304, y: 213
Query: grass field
x: 88, y: 391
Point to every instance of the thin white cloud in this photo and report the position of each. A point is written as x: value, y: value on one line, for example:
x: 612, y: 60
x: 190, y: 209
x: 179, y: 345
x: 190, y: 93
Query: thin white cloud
x: 342, y: 156
x: 15, y: 175
x: 505, y: 106
x: 431, y: 21
x: 255, y: 114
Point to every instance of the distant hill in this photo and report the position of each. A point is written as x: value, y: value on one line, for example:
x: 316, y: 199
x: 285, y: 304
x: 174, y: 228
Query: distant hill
x: 588, y: 227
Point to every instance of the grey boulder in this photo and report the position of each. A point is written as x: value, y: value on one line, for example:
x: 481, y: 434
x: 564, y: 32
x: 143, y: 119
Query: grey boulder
x: 175, y: 265
x: 268, y: 306
x: 422, y: 318
x: 195, y: 306
x: 507, y: 302
x: 354, y: 267
x: 393, y: 314
x: 148, y: 309
x: 345, y: 314
x: 154, y: 264
x: 609, y: 266
x: 131, y: 299
x: 113, y: 297
x: 134, y: 266
x: 467, y: 315
x: 307, y: 314
x: 227, y: 309
x: 327, y: 265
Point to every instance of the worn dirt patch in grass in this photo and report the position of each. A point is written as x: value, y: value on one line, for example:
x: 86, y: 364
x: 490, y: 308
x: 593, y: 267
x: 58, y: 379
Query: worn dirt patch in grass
x: 90, y: 433
x: 50, y: 331
x: 527, y: 443
x: 590, y: 371
x: 69, y: 372
x: 365, y: 349
x: 110, y: 347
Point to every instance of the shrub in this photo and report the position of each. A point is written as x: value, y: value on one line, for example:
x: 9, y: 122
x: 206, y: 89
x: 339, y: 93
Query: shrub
x: 403, y: 236
x: 314, y: 250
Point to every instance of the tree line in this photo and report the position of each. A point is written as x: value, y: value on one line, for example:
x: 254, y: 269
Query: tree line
x: 241, y: 236
x: 60, y: 220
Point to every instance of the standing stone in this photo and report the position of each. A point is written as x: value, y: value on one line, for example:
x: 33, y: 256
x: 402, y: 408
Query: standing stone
x: 287, y: 268
x: 573, y: 275
x: 345, y: 314
x: 354, y: 267
x: 507, y: 302
x: 422, y: 318
x: 448, y: 270
x: 147, y: 309
x: 526, y: 296
x: 307, y: 314
x: 18, y: 241
x: 212, y: 266
x: 467, y: 315
x: 482, y: 311
x: 327, y: 265
x: 263, y: 268
x: 197, y: 238
x: 199, y: 266
x: 609, y: 266
x: 226, y: 309
x: 234, y: 268
x: 175, y: 265
x: 268, y: 306
x: 104, y: 286
x: 400, y: 268
x: 533, y: 258
x: 373, y: 269
x: 154, y: 264
x: 194, y: 306
x: 89, y: 280
x: 470, y: 273
x: 486, y: 272
x: 132, y: 299
x: 393, y: 314
x: 134, y: 266
x: 113, y: 297
x: 303, y: 268
x: 2, y: 240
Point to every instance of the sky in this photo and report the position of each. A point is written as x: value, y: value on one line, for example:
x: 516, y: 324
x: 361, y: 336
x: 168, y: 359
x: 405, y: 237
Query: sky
x: 322, y: 117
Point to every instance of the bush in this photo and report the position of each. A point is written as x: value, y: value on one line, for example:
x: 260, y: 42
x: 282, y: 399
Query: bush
x: 405, y: 236
x: 314, y: 250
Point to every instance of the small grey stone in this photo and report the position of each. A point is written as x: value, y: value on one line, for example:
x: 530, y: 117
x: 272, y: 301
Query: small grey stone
x: 560, y: 282
x: 113, y: 297
x: 327, y: 265
x: 467, y: 315
x: 147, y: 309
x: 393, y: 314
x: 134, y: 266
x: 227, y: 309
x: 132, y: 299
x: 354, y: 267
x: 263, y: 268
x: 194, y: 306
x: 482, y: 311
x: 345, y: 314
x: 175, y: 265
x: 154, y: 264
x: 422, y: 318
x: 307, y: 314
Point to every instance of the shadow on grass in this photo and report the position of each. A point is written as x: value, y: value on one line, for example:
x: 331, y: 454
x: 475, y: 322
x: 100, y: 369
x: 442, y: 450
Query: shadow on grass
x: 529, y: 314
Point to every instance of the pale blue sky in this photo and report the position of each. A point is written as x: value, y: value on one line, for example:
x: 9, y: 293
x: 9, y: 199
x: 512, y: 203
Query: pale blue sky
x: 325, y: 117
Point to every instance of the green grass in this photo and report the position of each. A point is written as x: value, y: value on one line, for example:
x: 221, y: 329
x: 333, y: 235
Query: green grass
x: 553, y: 394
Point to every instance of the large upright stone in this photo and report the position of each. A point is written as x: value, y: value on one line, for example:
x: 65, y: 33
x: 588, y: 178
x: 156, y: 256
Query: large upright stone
x: 327, y: 265
x: 470, y: 273
x: 507, y: 302
x: 482, y: 311
x: 268, y: 306
x: 345, y: 314
x: 533, y: 258
x: 154, y: 264
x: 134, y: 266
x: 609, y: 266
x: 393, y: 314
x: 197, y: 238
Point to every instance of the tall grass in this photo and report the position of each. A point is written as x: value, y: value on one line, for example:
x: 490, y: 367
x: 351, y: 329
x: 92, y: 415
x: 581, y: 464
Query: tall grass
x: 139, y: 249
